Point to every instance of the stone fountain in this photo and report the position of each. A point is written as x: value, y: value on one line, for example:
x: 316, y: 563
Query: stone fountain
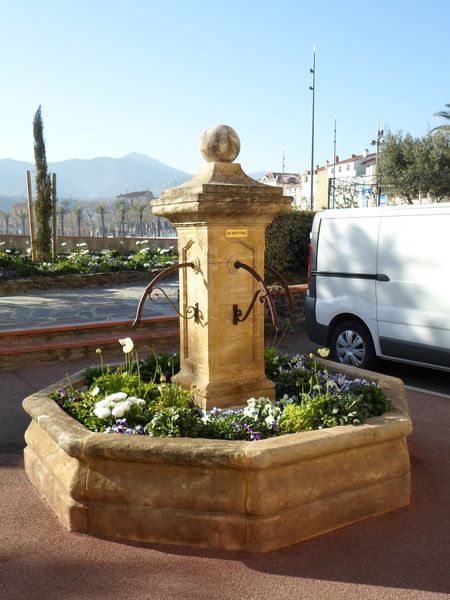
x: 256, y: 496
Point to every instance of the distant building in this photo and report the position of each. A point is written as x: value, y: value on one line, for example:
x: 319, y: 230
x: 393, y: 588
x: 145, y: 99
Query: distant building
x: 136, y: 196
x: 352, y: 182
x: 290, y: 182
x: 349, y: 182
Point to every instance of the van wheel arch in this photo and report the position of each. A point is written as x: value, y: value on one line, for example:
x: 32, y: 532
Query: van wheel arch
x: 350, y: 342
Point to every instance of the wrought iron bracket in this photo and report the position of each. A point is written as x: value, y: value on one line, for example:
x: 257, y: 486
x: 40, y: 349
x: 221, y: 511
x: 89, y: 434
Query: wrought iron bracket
x: 263, y: 294
x: 237, y: 312
x: 192, y: 312
x: 281, y: 283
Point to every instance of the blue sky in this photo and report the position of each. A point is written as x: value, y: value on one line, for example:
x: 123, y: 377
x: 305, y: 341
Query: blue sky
x: 150, y: 76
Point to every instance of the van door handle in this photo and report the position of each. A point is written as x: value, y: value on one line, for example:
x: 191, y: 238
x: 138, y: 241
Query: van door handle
x: 382, y: 277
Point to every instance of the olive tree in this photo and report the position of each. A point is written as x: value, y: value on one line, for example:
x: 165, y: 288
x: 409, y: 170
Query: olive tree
x: 410, y: 168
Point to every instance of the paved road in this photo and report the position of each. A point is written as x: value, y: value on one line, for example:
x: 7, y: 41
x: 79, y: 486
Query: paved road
x: 418, y: 378
x: 113, y: 303
x: 88, y: 305
x: 403, y: 555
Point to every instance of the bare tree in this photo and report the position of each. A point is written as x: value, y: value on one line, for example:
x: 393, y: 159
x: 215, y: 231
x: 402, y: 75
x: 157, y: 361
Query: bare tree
x: 5, y: 217
x: 22, y: 215
x: 90, y: 216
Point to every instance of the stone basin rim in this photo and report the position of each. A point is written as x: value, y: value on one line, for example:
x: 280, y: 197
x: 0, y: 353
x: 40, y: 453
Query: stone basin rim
x: 81, y: 443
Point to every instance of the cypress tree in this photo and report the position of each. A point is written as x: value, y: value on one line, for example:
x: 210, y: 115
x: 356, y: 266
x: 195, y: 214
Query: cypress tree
x: 43, y: 204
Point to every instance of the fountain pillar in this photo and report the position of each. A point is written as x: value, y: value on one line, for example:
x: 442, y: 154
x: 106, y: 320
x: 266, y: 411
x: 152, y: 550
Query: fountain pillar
x: 221, y: 215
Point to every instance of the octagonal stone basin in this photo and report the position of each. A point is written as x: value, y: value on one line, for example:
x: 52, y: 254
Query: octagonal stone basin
x: 254, y: 496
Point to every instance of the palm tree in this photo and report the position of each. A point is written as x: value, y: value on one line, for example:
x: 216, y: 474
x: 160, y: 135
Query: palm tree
x: 62, y: 210
x: 101, y: 210
x: 122, y: 208
x: 443, y: 114
x: 140, y: 209
x: 78, y: 212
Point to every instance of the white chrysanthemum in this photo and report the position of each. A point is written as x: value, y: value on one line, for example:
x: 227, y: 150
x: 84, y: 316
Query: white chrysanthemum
x: 114, y: 397
x: 135, y: 400
x: 102, y: 412
x: 120, y: 409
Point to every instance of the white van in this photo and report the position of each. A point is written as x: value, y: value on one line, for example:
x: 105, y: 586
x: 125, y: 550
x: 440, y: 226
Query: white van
x: 379, y: 285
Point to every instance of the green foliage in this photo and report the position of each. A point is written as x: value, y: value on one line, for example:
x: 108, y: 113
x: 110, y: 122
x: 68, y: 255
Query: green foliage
x: 411, y: 168
x: 156, y: 365
x: 320, y: 411
x: 289, y: 372
x: 256, y: 421
x: 317, y: 397
x: 287, y: 242
x: 43, y: 204
x: 17, y: 264
x: 175, y: 421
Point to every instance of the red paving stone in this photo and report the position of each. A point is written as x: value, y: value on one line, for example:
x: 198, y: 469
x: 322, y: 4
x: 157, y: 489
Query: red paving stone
x: 402, y: 555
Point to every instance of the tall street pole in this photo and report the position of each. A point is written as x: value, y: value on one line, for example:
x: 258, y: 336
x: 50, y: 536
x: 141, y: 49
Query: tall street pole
x: 334, y: 164
x: 313, y: 89
x: 377, y: 142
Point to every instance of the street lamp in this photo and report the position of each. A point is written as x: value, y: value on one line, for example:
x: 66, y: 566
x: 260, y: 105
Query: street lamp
x: 377, y: 142
x: 312, y: 87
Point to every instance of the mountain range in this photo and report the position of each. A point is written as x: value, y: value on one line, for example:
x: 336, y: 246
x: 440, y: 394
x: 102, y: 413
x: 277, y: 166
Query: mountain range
x: 95, y: 179
x: 99, y: 178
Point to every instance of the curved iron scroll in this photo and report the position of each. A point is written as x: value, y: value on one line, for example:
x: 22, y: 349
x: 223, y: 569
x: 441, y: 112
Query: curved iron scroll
x: 237, y: 313
x: 284, y: 284
x: 151, y: 286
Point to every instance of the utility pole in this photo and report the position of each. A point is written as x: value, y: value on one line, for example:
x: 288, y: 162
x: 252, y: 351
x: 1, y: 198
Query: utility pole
x: 377, y: 143
x: 334, y: 164
x: 31, y: 215
x: 313, y: 89
x: 54, y: 216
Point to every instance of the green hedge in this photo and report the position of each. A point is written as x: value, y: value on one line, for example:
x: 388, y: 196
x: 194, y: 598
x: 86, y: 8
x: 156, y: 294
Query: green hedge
x: 287, y: 242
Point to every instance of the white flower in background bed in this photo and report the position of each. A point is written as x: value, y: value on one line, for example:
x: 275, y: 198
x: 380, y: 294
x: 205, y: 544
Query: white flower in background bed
x: 117, y: 405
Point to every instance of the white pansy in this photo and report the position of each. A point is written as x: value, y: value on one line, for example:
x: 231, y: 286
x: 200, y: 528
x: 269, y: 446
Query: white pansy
x: 127, y: 344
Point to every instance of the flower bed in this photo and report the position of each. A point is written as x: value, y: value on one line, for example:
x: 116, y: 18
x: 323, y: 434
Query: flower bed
x: 14, y: 263
x: 223, y: 493
x: 138, y: 398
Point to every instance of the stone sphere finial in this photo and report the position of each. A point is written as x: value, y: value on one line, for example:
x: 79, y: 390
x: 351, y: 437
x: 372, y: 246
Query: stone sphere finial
x: 220, y: 143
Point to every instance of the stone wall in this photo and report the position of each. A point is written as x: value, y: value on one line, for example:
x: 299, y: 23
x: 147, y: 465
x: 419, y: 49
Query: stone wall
x: 73, y: 281
x: 67, y: 244
x: 290, y: 322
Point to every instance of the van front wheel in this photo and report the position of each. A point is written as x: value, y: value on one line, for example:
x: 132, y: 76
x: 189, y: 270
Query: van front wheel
x: 351, y: 344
